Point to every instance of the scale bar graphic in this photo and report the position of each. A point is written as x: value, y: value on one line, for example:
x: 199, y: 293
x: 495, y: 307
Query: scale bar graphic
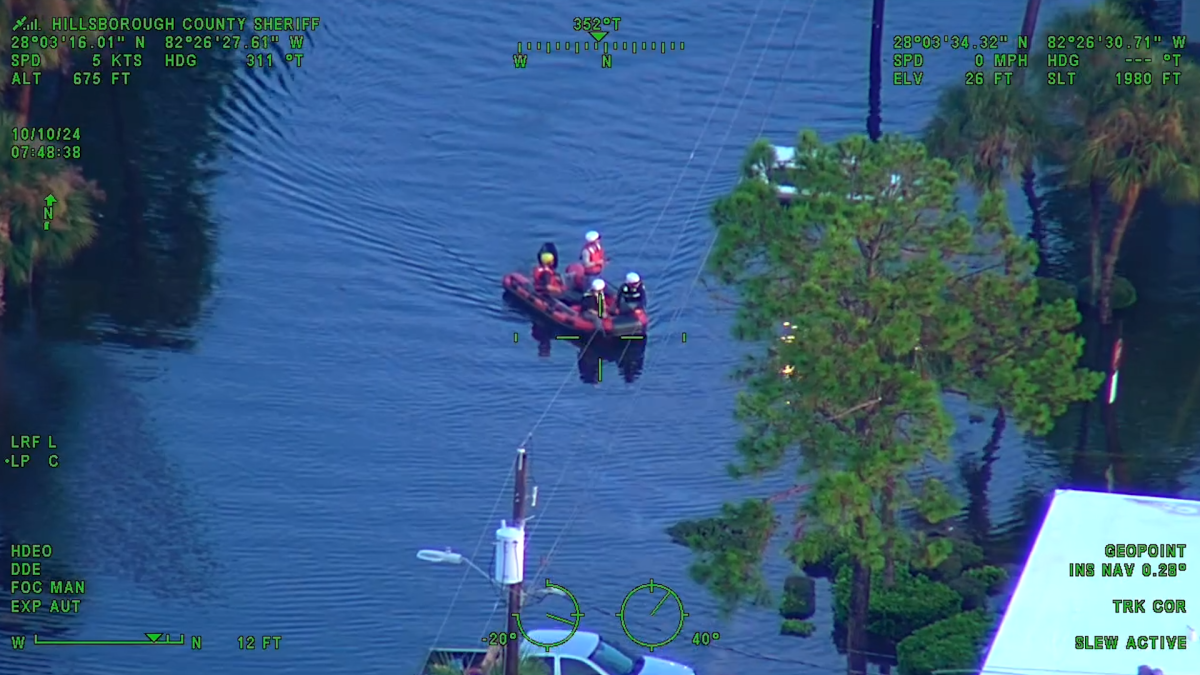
x: 156, y: 639
x: 549, y: 47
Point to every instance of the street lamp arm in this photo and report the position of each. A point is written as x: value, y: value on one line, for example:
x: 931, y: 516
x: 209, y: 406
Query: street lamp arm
x: 449, y: 557
x: 446, y: 557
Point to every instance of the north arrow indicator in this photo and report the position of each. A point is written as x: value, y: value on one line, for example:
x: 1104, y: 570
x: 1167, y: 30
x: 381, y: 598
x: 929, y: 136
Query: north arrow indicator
x: 154, y: 636
x: 599, y: 35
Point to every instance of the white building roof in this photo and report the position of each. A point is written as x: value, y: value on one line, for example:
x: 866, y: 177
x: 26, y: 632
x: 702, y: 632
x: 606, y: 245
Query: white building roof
x: 1050, y: 609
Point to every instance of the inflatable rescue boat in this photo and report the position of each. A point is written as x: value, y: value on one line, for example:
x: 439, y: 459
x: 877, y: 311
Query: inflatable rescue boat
x: 564, y: 311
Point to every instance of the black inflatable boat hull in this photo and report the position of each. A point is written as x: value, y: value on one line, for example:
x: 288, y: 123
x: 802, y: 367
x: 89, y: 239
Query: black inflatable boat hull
x: 567, y: 317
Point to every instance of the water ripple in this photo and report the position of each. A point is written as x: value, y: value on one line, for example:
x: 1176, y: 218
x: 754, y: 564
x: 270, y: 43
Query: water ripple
x: 357, y: 395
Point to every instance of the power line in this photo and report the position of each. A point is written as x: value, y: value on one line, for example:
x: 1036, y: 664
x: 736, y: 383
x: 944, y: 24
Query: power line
x: 678, y: 241
x: 682, y: 234
x: 570, y: 373
x: 598, y: 462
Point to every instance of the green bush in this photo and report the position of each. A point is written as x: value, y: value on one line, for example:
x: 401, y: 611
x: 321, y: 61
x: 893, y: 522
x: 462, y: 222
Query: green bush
x: 976, y: 584
x: 729, y: 550
x: 956, y: 643
x: 992, y: 577
x: 707, y: 534
x: 974, y: 591
x: 1055, y: 290
x: 799, y: 598
x: 741, y: 527
x: 827, y: 568
x: 1124, y: 295
x: 895, y: 613
x: 448, y: 663
x: 963, y: 555
x: 796, y: 628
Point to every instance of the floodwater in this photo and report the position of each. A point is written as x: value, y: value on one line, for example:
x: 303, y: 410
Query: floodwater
x: 295, y: 372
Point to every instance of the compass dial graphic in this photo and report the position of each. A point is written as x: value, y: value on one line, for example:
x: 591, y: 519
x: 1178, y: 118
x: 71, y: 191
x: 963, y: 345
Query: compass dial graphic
x: 572, y: 619
x: 658, y: 602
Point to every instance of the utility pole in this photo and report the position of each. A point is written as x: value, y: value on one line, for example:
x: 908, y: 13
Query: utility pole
x: 512, y: 655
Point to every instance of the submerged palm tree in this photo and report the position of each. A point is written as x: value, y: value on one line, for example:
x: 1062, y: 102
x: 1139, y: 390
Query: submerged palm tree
x: 874, y: 116
x: 989, y: 133
x: 1095, y: 92
x: 992, y: 132
x: 1120, y: 138
x: 1029, y: 23
x: 1151, y: 140
x: 1029, y: 176
x: 27, y: 239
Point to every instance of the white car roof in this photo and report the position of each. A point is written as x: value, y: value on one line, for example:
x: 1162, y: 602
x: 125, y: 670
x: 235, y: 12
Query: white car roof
x: 581, y: 644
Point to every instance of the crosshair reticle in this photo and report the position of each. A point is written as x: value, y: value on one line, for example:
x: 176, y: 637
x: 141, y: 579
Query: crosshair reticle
x: 659, y: 611
x: 573, y: 622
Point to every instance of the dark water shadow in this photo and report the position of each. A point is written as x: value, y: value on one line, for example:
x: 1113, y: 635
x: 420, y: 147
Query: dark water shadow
x: 35, y: 501
x: 626, y: 359
x: 118, y: 507
x: 151, y: 145
x: 1156, y: 419
x: 976, y: 476
x: 137, y: 519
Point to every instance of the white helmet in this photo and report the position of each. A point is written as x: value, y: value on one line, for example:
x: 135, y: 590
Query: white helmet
x: 598, y: 285
x: 592, y: 237
x: 632, y: 278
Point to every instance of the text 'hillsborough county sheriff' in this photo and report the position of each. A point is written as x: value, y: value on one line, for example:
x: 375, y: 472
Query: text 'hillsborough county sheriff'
x: 207, y: 23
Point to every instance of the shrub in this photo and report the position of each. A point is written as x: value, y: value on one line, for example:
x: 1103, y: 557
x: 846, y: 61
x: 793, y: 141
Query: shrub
x: 963, y: 555
x: 976, y: 584
x: 992, y: 577
x: 973, y: 591
x: 955, y: 643
x: 796, y: 628
x: 826, y: 568
x: 1124, y: 295
x: 707, y: 534
x: 799, y: 598
x: 895, y: 613
x: 1055, y: 290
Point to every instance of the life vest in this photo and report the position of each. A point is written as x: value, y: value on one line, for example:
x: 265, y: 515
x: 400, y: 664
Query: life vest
x: 593, y: 258
x: 544, y: 277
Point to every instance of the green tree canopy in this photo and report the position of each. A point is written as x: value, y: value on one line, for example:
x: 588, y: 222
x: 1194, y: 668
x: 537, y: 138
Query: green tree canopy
x: 887, y: 299
x: 988, y: 132
x: 55, y: 53
x: 1127, y: 125
x: 27, y: 239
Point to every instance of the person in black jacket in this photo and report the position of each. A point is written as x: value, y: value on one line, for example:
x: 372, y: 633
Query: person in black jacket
x: 633, y: 293
x: 594, y: 304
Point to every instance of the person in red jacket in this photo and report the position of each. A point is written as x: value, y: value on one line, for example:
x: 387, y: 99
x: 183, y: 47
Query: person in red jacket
x: 545, y: 276
x: 592, y: 255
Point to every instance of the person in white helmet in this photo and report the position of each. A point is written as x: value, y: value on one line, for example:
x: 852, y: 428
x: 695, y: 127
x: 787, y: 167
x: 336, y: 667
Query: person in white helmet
x: 592, y: 255
x: 594, y: 305
x: 633, y: 294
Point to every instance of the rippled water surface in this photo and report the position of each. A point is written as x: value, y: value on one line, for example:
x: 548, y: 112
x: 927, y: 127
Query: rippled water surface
x: 354, y: 392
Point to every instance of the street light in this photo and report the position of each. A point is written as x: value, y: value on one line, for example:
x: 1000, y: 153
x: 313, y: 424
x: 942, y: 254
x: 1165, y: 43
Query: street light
x: 450, y: 557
